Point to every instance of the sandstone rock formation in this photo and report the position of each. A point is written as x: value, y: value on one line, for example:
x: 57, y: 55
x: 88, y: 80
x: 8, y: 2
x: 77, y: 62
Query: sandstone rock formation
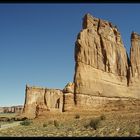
x: 134, y: 87
x: 102, y: 64
x: 135, y: 55
x: 105, y: 77
x: 39, y: 100
x: 68, y: 97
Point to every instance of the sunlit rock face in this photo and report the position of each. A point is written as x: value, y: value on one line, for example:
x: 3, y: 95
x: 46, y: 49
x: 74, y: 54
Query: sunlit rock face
x: 135, y: 55
x: 101, y: 59
x: 42, y: 100
x: 134, y: 86
x: 68, y: 97
x: 102, y: 66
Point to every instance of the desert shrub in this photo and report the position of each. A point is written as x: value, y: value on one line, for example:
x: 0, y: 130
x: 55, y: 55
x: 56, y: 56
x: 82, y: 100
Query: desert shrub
x: 45, y: 125
x: 8, y: 120
x: 134, y: 130
x: 56, y: 124
x: 11, y: 120
x: 26, y: 122
x: 50, y: 122
x: 77, y: 116
x: 93, y: 123
x: 102, y: 117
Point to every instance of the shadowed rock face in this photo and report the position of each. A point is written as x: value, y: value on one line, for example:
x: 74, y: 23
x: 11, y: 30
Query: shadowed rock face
x: 102, y: 65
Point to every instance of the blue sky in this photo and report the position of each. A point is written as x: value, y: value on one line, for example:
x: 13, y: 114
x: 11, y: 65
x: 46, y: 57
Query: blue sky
x: 37, y: 42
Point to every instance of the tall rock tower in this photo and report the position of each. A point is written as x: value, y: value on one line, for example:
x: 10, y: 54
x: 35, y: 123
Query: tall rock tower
x: 101, y: 60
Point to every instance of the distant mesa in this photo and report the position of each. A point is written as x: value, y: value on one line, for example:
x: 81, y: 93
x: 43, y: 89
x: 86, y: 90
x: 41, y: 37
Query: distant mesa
x: 104, y: 78
x: 12, y: 109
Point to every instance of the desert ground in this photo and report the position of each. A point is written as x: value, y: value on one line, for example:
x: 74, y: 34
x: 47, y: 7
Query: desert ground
x: 90, y: 124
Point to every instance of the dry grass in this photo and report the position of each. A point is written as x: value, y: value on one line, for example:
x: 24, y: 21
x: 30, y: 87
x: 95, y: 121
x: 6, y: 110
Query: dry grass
x: 109, y: 124
x: 9, y: 115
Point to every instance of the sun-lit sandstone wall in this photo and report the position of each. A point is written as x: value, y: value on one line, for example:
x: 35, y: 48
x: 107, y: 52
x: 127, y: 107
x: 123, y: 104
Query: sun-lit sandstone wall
x: 102, y: 66
x: 39, y: 100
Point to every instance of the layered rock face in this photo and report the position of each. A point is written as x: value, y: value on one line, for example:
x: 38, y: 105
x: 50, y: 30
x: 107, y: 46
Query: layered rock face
x: 135, y: 55
x: 68, y: 97
x: 33, y: 97
x: 135, y: 64
x: 42, y: 100
x: 102, y: 64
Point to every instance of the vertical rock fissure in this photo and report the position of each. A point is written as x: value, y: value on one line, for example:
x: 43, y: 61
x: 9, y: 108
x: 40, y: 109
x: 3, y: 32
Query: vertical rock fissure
x: 45, y: 102
x: 63, y: 107
x: 104, y: 54
x: 102, y: 48
x: 128, y: 69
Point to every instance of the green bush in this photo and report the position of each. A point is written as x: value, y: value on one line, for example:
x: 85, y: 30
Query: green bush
x: 77, y: 116
x: 26, y: 122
